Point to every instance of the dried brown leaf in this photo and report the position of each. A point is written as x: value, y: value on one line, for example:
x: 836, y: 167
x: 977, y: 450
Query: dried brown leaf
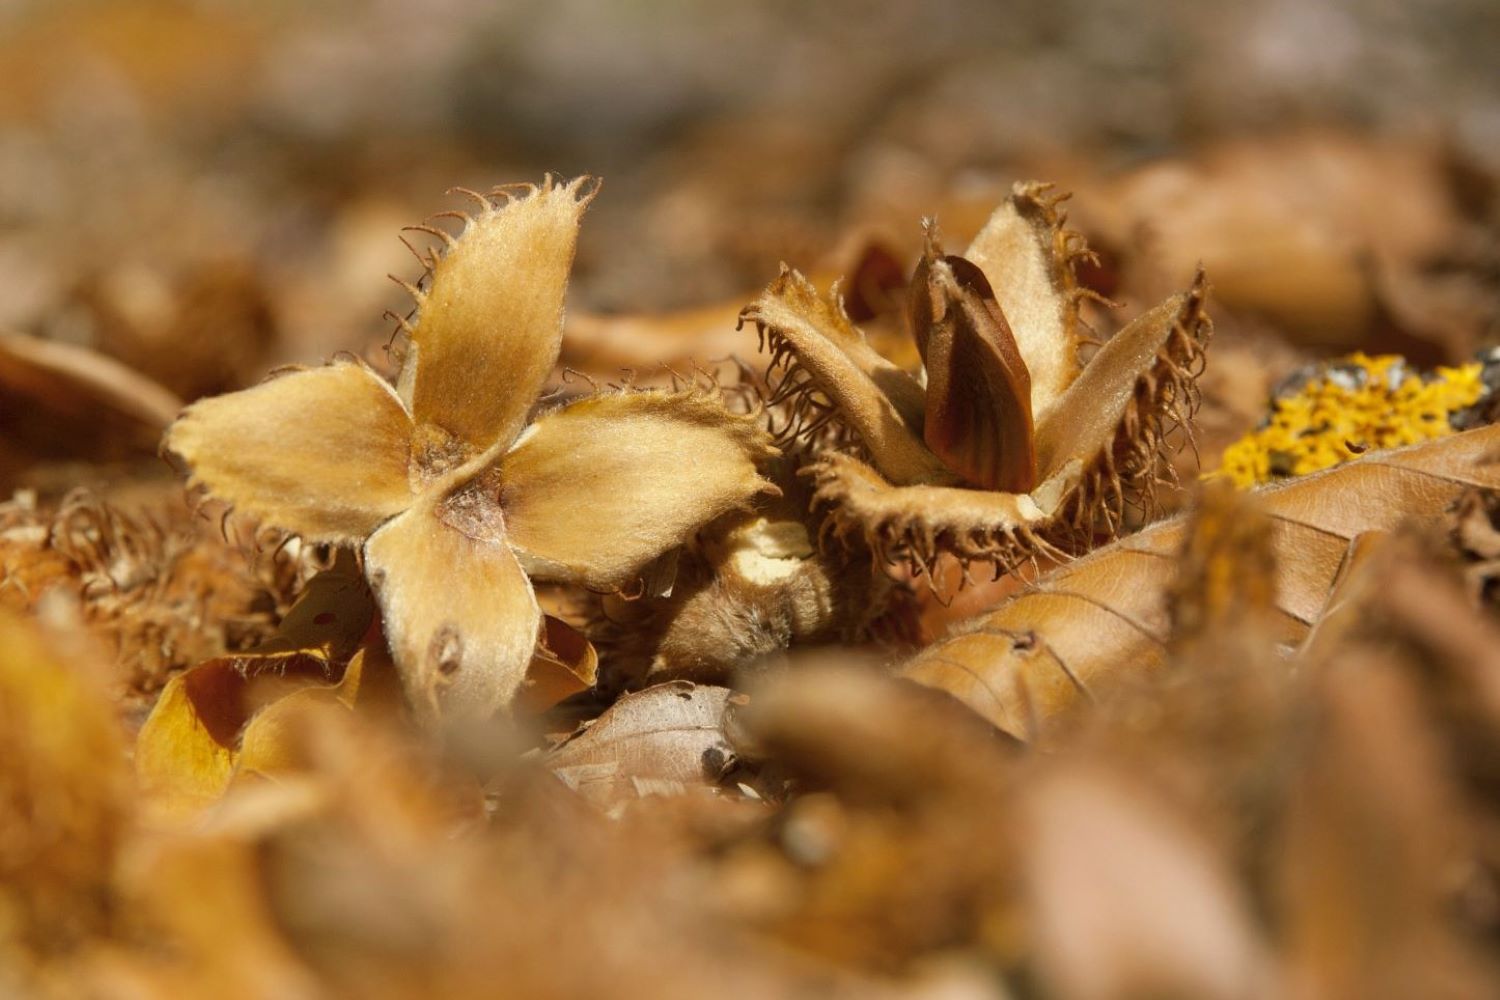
x: 63, y: 402
x: 1226, y: 581
x: 1285, y: 224
x: 1103, y: 618
x: 650, y: 345
x: 1373, y: 844
x: 565, y: 663
x: 190, y: 747
x: 643, y: 343
x: 900, y: 841
x: 662, y: 740
x: 843, y: 726
x: 207, y: 329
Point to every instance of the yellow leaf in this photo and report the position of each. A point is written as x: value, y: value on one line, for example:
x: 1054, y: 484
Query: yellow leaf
x: 564, y: 664
x: 188, y: 748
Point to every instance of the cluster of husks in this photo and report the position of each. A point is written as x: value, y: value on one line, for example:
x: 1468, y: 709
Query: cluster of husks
x: 457, y: 494
x: 1007, y: 445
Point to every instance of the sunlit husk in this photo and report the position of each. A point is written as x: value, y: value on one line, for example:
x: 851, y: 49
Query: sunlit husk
x: 753, y: 586
x: 993, y: 476
x: 458, y: 609
x: 1117, y: 419
x: 1029, y: 257
x: 489, y: 318
x: 320, y: 452
x: 823, y: 370
x: 598, y: 489
x: 452, y: 504
x: 1101, y: 451
x: 912, y: 524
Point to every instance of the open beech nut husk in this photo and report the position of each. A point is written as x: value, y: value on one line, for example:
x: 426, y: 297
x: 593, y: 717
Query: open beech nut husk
x: 1008, y: 446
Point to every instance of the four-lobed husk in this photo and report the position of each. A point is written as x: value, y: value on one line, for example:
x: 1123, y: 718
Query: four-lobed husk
x: 1011, y: 448
x: 456, y: 493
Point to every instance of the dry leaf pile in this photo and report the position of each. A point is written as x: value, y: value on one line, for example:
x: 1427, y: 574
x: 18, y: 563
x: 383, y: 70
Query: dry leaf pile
x: 875, y: 664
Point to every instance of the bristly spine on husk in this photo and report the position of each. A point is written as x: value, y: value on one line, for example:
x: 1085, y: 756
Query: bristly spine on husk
x: 1070, y: 247
x: 811, y: 420
x: 1140, y: 458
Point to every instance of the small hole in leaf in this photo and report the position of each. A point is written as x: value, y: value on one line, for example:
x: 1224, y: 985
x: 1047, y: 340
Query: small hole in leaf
x: 325, y: 618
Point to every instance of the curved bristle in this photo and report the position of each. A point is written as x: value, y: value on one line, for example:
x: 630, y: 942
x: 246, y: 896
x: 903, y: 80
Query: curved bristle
x: 1126, y: 473
x: 485, y: 205
x: 449, y: 240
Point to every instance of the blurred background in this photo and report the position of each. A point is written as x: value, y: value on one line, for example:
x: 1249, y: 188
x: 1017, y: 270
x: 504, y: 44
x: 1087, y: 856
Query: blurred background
x: 204, y: 188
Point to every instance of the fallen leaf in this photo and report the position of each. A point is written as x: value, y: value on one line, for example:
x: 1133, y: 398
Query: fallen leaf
x: 1284, y: 225
x: 565, y: 663
x: 648, y: 345
x: 200, y: 896
x: 63, y: 402
x: 662, y: 740
x: 190, y: 746
x: 268, y: 744
x: 207, y: 329
x: 899, y: 837
x: 1375, y: 843
x: 1104, y: 618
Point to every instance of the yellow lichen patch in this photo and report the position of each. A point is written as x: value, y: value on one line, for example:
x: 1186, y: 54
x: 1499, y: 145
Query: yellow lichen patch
x: 1360, y: 404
